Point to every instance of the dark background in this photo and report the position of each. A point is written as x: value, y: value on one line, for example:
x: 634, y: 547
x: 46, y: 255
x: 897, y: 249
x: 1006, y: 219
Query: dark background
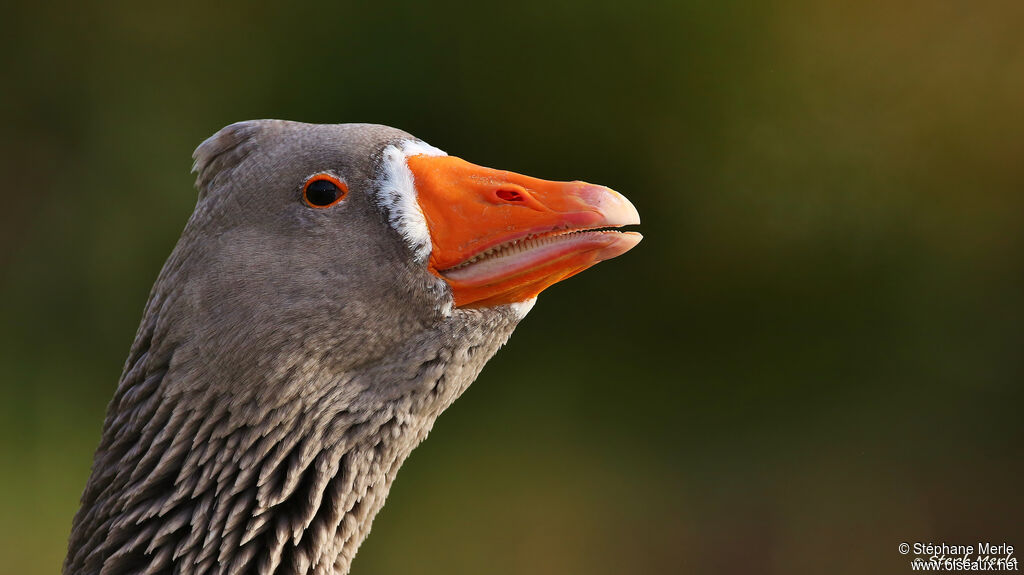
x: 814, y: 355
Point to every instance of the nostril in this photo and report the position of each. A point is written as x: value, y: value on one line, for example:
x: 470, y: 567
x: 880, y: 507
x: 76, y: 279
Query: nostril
x: 509, y: 195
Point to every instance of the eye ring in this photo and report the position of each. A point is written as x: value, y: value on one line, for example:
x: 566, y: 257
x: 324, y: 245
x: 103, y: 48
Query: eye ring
x: 323, y: 191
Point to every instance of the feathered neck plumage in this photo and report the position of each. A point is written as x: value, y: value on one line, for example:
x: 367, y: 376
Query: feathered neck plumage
x: 283, y: 470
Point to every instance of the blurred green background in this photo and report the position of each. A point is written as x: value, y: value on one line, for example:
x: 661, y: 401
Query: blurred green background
x: 814, y: 355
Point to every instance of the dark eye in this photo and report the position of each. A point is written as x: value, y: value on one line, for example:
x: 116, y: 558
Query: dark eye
x: 323, y: 191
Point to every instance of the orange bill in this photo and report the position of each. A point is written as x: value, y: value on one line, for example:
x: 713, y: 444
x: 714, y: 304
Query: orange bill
x: 499, y: 237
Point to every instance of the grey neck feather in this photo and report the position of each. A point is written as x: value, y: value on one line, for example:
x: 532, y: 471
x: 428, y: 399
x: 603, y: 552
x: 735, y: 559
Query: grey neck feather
x: 205, y: 484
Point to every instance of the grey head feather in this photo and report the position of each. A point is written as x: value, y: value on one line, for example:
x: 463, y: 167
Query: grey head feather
x: 288, y: 361
x: 221, y: 152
